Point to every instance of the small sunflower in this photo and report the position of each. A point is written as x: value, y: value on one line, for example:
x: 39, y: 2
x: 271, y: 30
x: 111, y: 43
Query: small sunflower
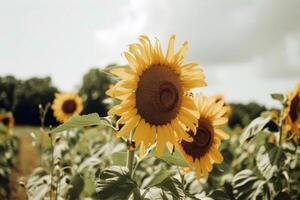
x: 65, y: 105
x: 153, y: 93
x: 7, y: 120
x: 203, y: 151
x: 292, y: 114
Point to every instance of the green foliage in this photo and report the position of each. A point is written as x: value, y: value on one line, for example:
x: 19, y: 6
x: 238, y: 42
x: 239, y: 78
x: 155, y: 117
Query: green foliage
x: 254, y: 128
x: 119, y: 158
x: 248, y: 186
x: 173, y: 159
x: 77, y: 183
x: 161, y: 176
x: 115, y: 183
x: 9, y: 148
x: 278, y: 97
x: 8, y: 86
x: 95, y: 83
x: 241, y: 115
x: 270, y: 159
x: 79, y: 122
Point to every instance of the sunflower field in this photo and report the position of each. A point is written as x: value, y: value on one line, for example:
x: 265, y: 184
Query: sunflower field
x: 161, y: 138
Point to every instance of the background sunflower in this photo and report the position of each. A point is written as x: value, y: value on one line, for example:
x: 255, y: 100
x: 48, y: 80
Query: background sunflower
x: 152, y: 90
x: 65, y: 105
x: 292, y: 114
x: 203, y: 151
x: 7, y: 120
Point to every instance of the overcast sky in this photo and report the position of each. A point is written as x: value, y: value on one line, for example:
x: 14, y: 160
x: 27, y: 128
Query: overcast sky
x: 248, y: 49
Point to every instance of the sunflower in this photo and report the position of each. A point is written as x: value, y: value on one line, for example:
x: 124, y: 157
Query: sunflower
x: 7, y: 120
x: 153, y: 93
x: 203, y: 151
x: 291, y: 114
x: 65, y: 105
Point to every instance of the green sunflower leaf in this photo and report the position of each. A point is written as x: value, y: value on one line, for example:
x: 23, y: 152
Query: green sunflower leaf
x: 173, y: 187
x: 161, y: 176
x: 255, y: 127
x: 80, y: 121
x: 174, y: 158
x: 247, y: 186
x: 279, y: 97
x: 114, y: 183
x: 269, y: 160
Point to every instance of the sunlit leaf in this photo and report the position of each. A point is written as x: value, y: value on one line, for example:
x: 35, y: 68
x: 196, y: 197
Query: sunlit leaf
x: 278, y: 97
x: 254, y: 128
x: 174, y: 159
x: 172, y: 187
x: 160, y: 177
x: 78, y: 122
x: 269, y: 158
x: 247, y: 186
x: 115, y: 183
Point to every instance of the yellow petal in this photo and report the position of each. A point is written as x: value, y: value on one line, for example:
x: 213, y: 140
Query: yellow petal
x: 187, y: 121
x: 208, y: 165
x: 123, y: 73
x: 215, y: 155
x: 161, y: 141
x: 178, y: 58
x: 221, y: 134
x: 129, y: 126
x: 220, y: 121
x: 203, y: 168
x: 197, y: 169
x: 189, y: 103
x: 126, y: 116
x: 170, y: 51
x: 139, y: 132
x: 131, y: 60
x: 180, y: 131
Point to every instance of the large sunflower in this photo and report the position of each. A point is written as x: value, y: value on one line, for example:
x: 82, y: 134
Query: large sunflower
x: 153, y: 93
x: 292, y: 114
x: 65, y: 105
x: 7, y: 120
x: 203, y: 151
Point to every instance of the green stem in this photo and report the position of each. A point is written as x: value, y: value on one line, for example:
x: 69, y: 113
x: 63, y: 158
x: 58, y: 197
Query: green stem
x: 280, y: 128
x: 130, y: 158
x: 130, y: 155
x: 52, y: 164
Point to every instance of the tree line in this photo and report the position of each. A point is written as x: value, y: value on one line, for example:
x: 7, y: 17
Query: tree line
x: 23, y: 97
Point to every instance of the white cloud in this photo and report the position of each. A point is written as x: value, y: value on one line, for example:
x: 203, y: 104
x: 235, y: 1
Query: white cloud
x: 247, y: 48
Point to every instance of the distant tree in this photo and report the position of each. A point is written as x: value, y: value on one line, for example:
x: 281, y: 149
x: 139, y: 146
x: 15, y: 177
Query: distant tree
x: 243, y: 114
x: 93, y: 88
x: 8, y: 86
x: 28, y: 95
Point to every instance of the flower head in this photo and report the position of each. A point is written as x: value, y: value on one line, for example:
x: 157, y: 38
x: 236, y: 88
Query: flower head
x: 65, y: 105
x: 203, y: 151
x: 153, y: 93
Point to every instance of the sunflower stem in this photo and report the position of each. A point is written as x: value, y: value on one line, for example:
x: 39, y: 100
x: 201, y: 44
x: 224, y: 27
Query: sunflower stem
x: 130, y: 154
x: 280, y: 128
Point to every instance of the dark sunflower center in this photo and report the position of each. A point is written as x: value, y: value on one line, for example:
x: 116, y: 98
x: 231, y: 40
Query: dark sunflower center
x: 69, y: 106
x: 5, y: 121
x: 295, y: 109
x: 159, y: 94
x: 202, y: 140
